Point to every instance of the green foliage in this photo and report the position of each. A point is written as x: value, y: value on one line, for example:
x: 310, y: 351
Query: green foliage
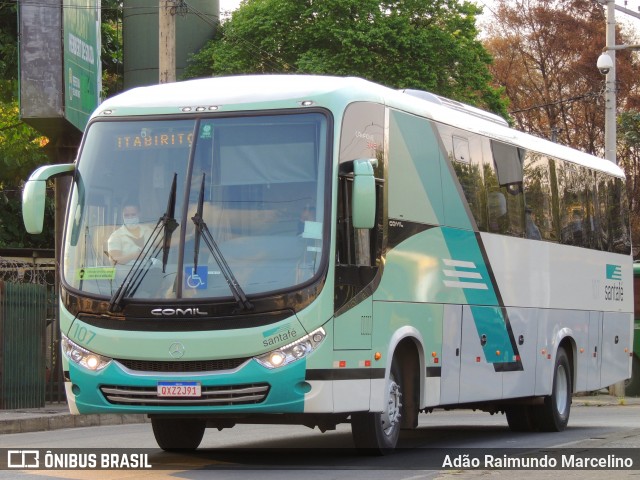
x: 21, y: 152
x: 431, y: 45
x: 8, y: 50
x: 21, y: 147
x: 111, y: 55
x: 629, y: 130
x: 12, y: 232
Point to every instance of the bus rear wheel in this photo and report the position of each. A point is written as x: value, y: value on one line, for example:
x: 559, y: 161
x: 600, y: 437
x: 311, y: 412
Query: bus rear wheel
x: 553, y: 415
x: 377, y: 433
x: 174, y: 434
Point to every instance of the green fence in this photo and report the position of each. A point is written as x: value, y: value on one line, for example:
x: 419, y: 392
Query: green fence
x: 23, y: 313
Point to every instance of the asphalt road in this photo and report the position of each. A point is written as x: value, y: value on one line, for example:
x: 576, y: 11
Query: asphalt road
x: 282, y: 452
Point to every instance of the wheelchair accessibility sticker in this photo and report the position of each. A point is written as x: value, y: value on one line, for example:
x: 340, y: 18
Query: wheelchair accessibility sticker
x: 196, y: 278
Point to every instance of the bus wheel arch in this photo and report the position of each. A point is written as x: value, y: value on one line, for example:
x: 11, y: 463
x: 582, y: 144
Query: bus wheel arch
x: 407, y: 353
x: 378, y: 432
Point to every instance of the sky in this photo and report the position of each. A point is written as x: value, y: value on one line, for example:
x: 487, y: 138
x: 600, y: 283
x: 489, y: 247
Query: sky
x: 228, y: 5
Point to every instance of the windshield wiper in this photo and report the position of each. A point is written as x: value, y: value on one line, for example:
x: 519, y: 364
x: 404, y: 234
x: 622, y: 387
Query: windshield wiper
x: 203, y: 231
x: 160, y: 238
x: 169, y: 222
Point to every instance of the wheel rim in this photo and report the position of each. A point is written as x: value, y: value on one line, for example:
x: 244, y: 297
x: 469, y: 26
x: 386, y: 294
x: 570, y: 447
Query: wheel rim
x: 391, y: 417
x: 562, y: 390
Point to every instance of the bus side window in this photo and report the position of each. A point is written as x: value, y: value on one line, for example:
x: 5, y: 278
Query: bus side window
x: 505, y: 176
x: 465, y: 154
x: 538, y: 198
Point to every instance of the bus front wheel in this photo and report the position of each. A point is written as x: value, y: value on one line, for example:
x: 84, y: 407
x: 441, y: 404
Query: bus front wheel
x: 377, y: 433
x: 173, y: 434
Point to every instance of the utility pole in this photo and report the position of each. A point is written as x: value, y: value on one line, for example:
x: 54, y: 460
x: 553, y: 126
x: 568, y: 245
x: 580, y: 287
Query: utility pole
x: 610, y: 86
x: 167, y: 41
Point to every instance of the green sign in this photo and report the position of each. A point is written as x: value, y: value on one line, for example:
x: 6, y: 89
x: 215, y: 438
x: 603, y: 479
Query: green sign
x: 82, y: 67
x: 96, y: 273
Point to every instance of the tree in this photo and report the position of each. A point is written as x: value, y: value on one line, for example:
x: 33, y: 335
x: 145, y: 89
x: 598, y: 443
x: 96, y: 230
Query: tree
x: 629, y: 158
x: 545, y: 54
x: 430, y: 45
x: 112, y: 56
x: 22, y: 148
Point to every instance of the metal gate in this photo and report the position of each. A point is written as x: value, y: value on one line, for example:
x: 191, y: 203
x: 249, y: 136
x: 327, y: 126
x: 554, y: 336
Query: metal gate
x: 23, y: 314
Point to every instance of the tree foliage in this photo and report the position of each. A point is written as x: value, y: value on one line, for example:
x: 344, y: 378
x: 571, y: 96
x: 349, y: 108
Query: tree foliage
x: 629, y: 158
x: 112, y: 50
x: 545, y: 54
x: 22, y: 149
x: 403, y: 44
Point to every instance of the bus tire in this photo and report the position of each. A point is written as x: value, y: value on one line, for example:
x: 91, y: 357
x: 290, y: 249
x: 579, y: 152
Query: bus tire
x: 377, y: 433
x: 520, y: 418
x: 174, y: 434
x: 553, y: 415
x: 632, y: 385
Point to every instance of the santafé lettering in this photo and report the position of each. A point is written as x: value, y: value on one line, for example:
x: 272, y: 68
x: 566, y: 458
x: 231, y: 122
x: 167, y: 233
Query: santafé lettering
x: 177, y: 312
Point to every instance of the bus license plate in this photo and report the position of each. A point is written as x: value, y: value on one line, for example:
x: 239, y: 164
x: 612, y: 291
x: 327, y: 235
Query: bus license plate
x: 179, y: 389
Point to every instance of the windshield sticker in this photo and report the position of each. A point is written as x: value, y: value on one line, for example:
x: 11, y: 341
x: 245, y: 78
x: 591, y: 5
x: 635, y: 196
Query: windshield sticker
x: 196, y: 279
x: 205, y: 132
x: 96, y: 273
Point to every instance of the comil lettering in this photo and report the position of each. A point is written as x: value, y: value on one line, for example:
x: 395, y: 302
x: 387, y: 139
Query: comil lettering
x: 177, y: 312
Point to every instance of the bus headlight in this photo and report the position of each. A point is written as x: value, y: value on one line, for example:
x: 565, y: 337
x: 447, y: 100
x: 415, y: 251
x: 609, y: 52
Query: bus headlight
x: 293, y: 351
x: 82, y: 356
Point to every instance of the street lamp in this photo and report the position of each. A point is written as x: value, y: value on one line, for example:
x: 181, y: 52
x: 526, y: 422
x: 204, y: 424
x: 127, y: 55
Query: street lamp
x: 607, y: 66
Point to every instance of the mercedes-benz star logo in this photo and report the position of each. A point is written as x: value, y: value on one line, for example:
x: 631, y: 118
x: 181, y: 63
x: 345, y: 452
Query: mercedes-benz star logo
x: 176, y: 350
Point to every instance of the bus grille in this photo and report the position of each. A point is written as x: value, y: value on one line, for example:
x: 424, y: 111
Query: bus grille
x: 190, y: 366
x: 211, y: 396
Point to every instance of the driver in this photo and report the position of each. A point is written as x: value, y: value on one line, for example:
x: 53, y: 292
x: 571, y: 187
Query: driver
x: 126, y: 243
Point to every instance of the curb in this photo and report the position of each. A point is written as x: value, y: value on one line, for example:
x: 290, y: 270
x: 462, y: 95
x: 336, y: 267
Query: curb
x: 59, y: 421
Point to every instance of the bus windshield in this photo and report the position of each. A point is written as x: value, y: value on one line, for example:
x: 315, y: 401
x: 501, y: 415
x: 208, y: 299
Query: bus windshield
x: 197, y: 208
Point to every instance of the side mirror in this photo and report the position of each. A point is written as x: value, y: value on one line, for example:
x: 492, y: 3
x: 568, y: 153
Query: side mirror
x: 363, y: 198
x: 34, y: 193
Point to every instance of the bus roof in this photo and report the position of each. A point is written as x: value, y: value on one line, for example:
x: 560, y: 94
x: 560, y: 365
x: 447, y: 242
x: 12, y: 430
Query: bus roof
x: 272, y: 89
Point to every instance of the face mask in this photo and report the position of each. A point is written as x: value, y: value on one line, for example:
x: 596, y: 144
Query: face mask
x: 131, y: 220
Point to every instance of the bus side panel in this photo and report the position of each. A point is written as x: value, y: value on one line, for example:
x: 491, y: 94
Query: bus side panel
x: 617, y: 335
x: 422, y: 322
x: 415, y: 165
x: 593, y: 360
x: 478, y: 377
x: 524, y: 324
x: 553, y: 327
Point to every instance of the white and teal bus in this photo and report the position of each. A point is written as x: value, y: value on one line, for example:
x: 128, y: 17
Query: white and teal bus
x: 325, y: 250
